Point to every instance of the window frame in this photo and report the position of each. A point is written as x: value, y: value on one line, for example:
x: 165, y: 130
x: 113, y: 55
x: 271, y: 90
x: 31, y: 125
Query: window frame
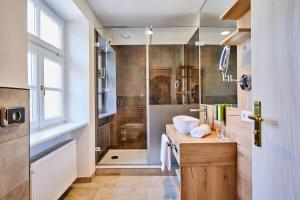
x: 36, y: 108
x: 43, y: 53
x: 43, y: 50
x: 36, y: 38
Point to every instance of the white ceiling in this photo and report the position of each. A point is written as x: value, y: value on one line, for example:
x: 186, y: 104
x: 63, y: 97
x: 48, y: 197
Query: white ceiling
x: 169, y: 35
x: 211, y: 12
x: 142, y: 13
x: 66, y: 9
x: 164, y: 16
x: 212, y: 36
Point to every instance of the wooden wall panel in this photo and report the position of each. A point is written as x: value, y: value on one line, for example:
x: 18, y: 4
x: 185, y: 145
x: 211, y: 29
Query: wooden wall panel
x: 236, y: 129
x: 244, y: 67
x: 245, y: 20
x: 241, y: 132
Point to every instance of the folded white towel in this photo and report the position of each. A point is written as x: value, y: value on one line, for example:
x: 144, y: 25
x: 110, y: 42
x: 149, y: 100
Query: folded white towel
x: 200, y: 131
x: 165, y: 153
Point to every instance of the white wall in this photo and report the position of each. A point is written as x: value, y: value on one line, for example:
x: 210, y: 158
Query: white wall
x: 13, y: 69
x: 80, y: 23
x: 88, y: 13
x: 13, y: 43
x: 77, y: 71
x: 86, y: 142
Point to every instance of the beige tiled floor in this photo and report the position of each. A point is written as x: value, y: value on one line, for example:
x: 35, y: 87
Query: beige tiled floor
x: 126, y: 188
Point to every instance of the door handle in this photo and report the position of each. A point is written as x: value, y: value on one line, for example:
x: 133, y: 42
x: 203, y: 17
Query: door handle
x: 257, y: 123
x: 256, y: 118
x: 42, y: 89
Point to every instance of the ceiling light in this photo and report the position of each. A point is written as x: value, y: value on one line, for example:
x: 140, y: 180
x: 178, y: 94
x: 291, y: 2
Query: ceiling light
x: 125, y: 35
x: 149, y: 31
x: 225, y: 32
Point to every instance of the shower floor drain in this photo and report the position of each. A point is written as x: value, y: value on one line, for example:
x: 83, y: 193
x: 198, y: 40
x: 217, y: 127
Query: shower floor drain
x: 114, y: 157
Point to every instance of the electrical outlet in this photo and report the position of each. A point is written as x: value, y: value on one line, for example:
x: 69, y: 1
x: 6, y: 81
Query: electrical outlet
x: 97, y: 149
x: 245, y: 115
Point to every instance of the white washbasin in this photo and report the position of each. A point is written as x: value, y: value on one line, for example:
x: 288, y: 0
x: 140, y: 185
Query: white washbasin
x: 184, y: 124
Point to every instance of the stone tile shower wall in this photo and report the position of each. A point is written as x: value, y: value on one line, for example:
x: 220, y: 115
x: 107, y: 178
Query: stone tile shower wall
x: 131, y: 95
x: 164, y: 62
x: 167, y: 63
x: 171, y: 63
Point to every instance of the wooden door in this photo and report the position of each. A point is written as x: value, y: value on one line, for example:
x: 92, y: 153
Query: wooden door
x: 275, y: 41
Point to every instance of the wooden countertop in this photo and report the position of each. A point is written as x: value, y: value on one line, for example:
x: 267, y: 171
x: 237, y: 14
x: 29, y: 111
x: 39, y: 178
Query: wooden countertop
x: 209, y: 150
x: 178, y: 138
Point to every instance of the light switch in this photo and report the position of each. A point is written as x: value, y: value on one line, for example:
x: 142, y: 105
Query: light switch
x: 245, y: 115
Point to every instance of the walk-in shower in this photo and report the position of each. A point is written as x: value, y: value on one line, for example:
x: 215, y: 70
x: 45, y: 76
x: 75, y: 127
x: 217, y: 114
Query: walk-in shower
x: 157, y: 77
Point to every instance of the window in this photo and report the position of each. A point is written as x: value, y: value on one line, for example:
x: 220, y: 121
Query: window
x: 33, y: 84
x: 44, y: 26
x: 52, y: 86
x: 45, y: 66
x: 50, y: 30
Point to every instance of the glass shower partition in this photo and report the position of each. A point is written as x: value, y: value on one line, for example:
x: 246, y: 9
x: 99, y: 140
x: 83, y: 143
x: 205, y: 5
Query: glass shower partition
x: 157, y: 73
x: 128, y: 126
x: 173, y: 78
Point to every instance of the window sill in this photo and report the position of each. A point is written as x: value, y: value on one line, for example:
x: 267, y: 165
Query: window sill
x: 43, y: 135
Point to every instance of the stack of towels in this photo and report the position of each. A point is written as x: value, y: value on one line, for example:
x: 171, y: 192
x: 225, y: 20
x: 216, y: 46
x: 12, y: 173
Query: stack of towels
x: 200, y: 131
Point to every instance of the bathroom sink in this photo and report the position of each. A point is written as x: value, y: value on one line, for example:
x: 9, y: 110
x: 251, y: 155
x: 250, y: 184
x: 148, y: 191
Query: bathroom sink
x: 184, y: 124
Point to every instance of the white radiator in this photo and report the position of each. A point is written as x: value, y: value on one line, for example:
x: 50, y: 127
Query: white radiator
x: 52, y: 174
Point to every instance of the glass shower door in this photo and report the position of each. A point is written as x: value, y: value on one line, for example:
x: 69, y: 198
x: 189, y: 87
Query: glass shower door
x: 128, y: 126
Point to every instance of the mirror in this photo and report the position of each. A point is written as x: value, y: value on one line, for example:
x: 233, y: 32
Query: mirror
x: 223, y: 67
x: 214, y: 60
x: 224, y: 60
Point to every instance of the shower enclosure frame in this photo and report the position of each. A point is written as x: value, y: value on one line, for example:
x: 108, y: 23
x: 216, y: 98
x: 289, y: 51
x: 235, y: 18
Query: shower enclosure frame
x: 148, y: 121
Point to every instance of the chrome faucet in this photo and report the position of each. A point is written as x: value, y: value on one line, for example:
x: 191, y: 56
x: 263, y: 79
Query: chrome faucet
x: 201, y: 109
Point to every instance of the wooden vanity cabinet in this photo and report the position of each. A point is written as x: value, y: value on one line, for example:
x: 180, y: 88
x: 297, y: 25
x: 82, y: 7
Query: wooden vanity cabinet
x: 207, y: 166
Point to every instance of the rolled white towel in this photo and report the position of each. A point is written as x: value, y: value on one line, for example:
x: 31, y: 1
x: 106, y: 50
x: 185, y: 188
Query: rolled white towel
x: 200, y: 131
x: 165, y: 153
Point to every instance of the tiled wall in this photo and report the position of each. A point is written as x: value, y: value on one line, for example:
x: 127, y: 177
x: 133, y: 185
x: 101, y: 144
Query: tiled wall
x: 131, y: 70
x: 171, y: 63
x: 165, y: 61
x: 14, y: 149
